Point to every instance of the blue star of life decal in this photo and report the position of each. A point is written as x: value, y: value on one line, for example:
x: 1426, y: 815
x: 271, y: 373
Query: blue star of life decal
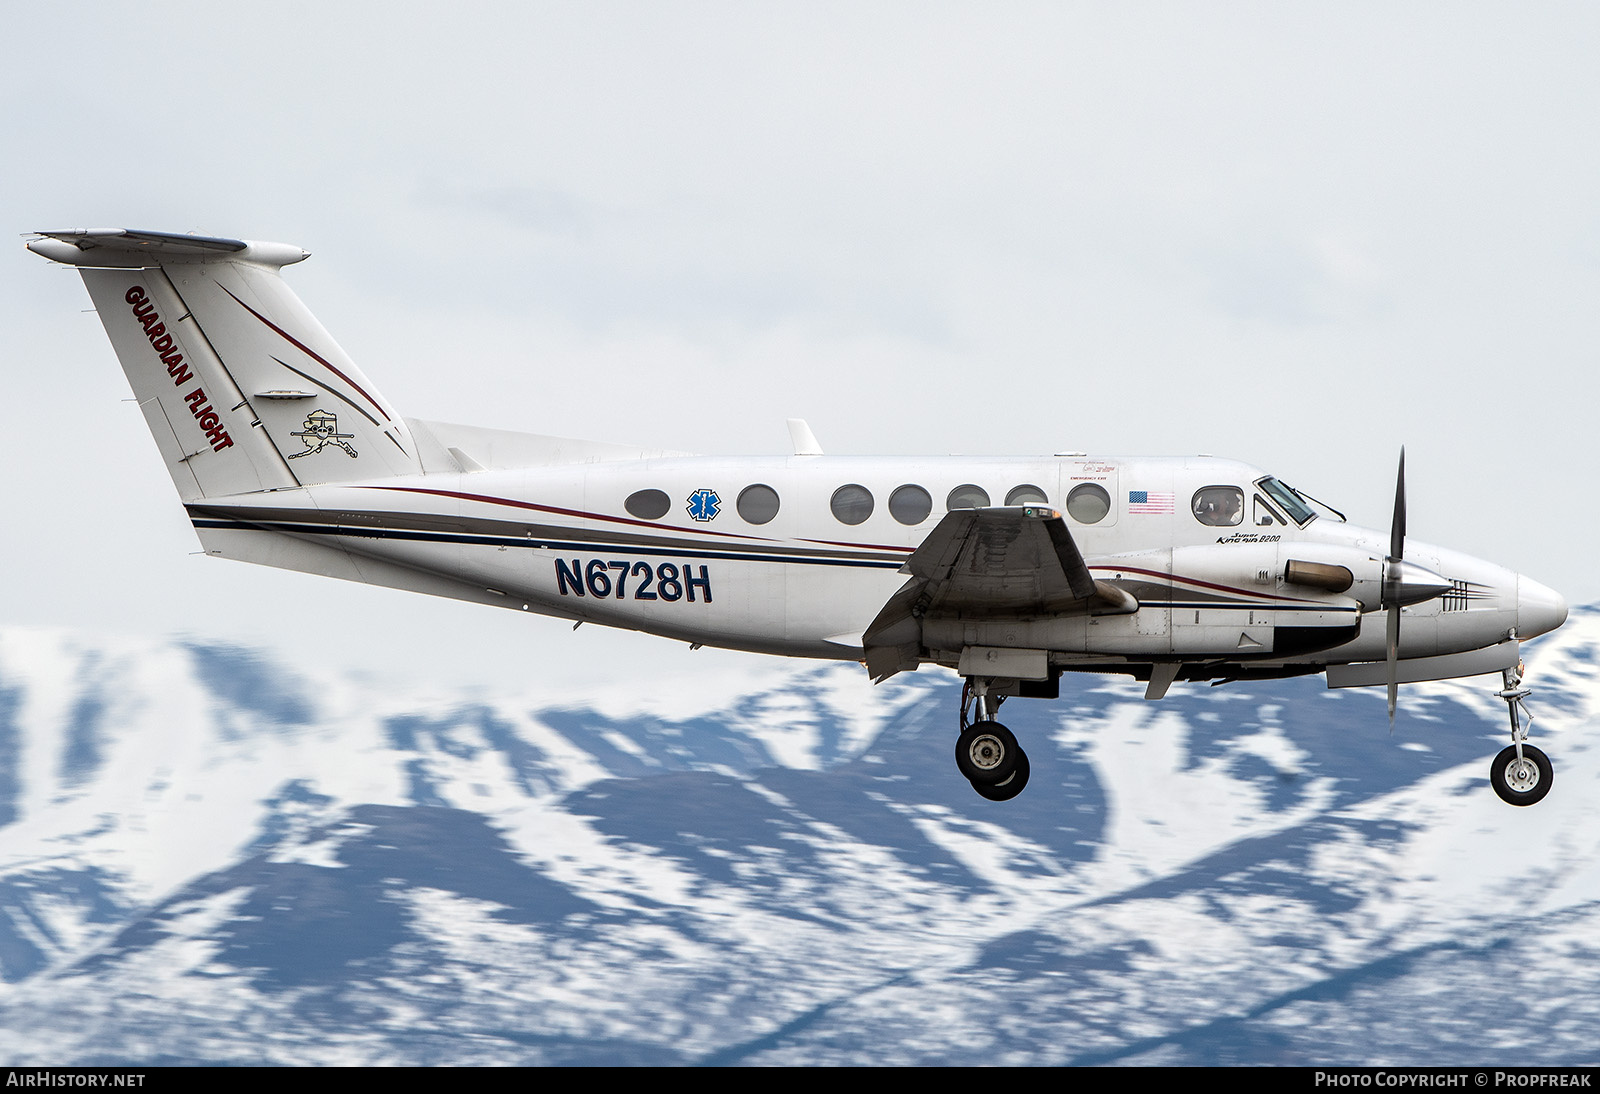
x: 704, y: 505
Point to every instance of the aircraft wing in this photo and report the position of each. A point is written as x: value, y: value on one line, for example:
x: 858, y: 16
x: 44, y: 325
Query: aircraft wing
x: 993, y: 563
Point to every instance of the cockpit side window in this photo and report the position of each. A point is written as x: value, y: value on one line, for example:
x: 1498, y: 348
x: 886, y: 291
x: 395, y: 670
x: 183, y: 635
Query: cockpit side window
x: 1218, y: 506
x: 1263, y: 515
x: 1289, y: 501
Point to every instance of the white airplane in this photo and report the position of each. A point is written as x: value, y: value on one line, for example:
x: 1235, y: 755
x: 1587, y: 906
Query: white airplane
x: 1009, y: 571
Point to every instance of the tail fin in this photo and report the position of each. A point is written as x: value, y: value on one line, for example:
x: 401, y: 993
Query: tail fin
x: 242, y: 387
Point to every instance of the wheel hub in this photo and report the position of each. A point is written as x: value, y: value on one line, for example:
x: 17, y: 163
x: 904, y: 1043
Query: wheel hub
x: 987, y: 751
x: 1522, y: 775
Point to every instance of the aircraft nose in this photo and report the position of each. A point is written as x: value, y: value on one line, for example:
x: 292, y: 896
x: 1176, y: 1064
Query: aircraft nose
x: 1539, y: 609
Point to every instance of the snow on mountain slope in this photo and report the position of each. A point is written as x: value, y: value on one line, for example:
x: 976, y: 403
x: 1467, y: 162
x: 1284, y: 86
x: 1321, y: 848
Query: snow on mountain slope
x: 205, y: 856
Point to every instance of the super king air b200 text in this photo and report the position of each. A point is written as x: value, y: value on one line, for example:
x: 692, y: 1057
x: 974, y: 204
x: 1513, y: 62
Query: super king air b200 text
x: 1009, y: 571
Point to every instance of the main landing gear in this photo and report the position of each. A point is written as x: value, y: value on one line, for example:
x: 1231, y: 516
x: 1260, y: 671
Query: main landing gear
x: 987, y: 755
x: 1521, y: 774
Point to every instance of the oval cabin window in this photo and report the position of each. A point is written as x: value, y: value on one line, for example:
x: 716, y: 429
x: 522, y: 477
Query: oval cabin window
x: 967, y: 497
x: 1088, y: 503
x: 1026, y: 494
x: 758, y: 503
x: 851, y: 504
x: 648, y: 504
x: 910, y: 504
x: 1218, y: 506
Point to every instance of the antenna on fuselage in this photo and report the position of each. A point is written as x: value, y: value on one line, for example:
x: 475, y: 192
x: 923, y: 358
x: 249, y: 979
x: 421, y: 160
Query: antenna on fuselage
x: 804, y: 441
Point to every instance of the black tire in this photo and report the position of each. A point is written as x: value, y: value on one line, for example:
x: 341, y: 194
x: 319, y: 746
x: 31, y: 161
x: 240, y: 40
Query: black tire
x: 1522, y: 784
x: 986, y: 752
x: 1004, y: 792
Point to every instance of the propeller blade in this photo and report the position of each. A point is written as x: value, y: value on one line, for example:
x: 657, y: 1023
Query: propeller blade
x: 1397, y: 530
x: 1392, y: 581
x: 1394, y: 660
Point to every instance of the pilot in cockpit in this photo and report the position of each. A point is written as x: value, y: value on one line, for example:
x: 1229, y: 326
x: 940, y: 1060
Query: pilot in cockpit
x: 1219, y: 506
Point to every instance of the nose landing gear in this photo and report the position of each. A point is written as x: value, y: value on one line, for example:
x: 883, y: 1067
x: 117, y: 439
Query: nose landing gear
x: 987, y: 754
x: 1520, y: 774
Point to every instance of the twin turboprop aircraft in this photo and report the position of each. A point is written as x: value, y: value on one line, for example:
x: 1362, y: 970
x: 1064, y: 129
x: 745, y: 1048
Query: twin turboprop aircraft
x: 1008, y: 571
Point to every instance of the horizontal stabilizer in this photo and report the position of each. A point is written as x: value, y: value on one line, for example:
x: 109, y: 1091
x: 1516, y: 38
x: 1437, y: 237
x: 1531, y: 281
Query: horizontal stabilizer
x: 448, y: 446
x: 127, y: 247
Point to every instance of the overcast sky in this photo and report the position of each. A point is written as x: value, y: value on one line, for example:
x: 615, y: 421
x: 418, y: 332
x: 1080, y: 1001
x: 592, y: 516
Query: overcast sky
x: 1299, y: 235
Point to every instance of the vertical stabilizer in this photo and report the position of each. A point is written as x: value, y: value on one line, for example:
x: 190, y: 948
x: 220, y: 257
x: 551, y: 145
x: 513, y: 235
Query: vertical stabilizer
x: 243, y: 389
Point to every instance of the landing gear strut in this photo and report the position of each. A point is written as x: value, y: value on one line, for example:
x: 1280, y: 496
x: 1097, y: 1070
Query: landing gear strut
x: 987, y: 754
x: 1520, y: 774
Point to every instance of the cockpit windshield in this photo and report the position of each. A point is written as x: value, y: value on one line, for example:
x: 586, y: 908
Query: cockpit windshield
x: 1293, y: 504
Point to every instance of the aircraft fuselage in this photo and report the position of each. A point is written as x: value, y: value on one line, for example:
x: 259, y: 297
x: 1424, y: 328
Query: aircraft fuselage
x: 562, y: 541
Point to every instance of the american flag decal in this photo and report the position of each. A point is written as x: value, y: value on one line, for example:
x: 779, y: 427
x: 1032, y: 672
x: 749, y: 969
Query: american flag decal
x: 1149, y: 501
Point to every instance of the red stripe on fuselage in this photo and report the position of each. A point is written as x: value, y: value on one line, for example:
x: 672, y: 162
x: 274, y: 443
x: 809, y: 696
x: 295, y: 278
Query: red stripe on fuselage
x: 565, y: 512
x: 872, y: 546
x: 583, y: 515
x: 1203, y: 584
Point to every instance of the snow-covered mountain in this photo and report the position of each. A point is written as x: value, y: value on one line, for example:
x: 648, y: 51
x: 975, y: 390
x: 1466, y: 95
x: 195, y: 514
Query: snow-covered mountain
x: 209, y: 857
